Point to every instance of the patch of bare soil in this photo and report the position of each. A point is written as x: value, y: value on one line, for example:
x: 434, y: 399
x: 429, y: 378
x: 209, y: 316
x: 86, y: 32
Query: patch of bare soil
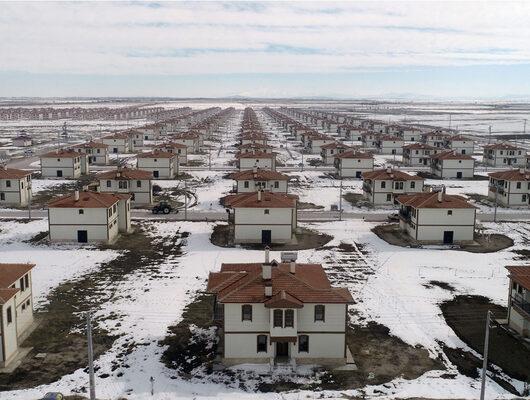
x: 441, y: 285
x: 195, y: 163
x: 61, y: 333
x: 42, y: 198
x: 357, y: 200
x: 466, y: 315
x: 187, y: 350
x: 302, y: 205
x: 223, y: 236
x: 380, y: 358
x: 488, y: 243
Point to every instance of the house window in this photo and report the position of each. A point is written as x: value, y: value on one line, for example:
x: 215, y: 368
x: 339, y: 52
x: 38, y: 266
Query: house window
x: 114, y: 208
x: 412, y: 185
x: 276, y: 184
x: 9, y: 315
x: 245, y: 184
x: 2, y: 196
x: 21, y: 282
x: 81, y: 211
x: 122, y: 184
x: 266, y: 211
x: 518, y: 185
x: 8, y: 183
x: 138, y: 184
x: 303, y: 344
x: 109, y: 183
x: 246, y: 312
x: 278, y: 319
x: 289, y: 319
x: 383, y: 184
x: 523, y: 198
x: 449, y: 212
x: 389, y: 197
x: 262, y: 344
x: 26, y: 280
x: 320, y: 312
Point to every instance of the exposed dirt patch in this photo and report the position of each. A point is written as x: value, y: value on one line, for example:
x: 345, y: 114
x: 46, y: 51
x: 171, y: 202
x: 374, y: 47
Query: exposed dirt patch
x: 356, y: 200
x: 222, y: 236
x: 505, y: 350
x: 61, y: 334
x: 42, y: 198
x: 195, y: 163
x: 487, y: 243
x: 441, y: 285
x: 302, y: 205
x: 186, y: 349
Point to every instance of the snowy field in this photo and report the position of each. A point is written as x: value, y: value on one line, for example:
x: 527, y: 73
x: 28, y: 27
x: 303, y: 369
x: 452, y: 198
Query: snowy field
x: 394, y: 294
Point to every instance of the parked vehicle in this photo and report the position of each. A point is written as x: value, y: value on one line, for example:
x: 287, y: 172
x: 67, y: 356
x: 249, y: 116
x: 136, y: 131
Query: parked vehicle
x: 163, y: 207
x: 394, y: 217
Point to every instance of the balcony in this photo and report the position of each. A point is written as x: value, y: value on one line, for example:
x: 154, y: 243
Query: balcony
x: 522, y: 305
x: 405, y: 215
x: 367, y: 187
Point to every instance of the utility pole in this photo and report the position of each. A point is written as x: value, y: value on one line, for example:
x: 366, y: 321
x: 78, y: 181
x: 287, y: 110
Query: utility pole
x: 450, y: 121
x: 152, y: 380
x: 340, y: 200
x: 489, y: 137
x: 497, y: 187
x: 209, y: 159
x: 29, y: 201
x: 485, y: 356
x: 185, y: 200
x: 90, y: 357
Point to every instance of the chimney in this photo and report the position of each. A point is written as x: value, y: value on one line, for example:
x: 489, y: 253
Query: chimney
x: 266, y: 271
x: 76, y: 195
x: 440, y: 196
x: 268, y: 290
x: 259, y: 199
x: 388, y: 169
x: 292, y: 267
x: 267, y: 255
x: 255, y: 168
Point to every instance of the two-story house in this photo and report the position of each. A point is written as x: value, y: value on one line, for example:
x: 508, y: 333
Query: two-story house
x: 387, y: 144
x: 460, y: 144
x: 329, y: 151
x: 136, y: 182
x: 437, y: 218
x: 369, y: 140
x: 89, y: 217
x: 15, y: 187
x: 63, y: 164
x: 255, y: 147
x: 451, y: 164
x: 383, y: 186
x: 510, y: 188
x: 256, y: 179
x: 118, y: 142
x: 162, y: 164
x: 96, y: 153
x: 504, y: 155
x: 353, y: 163
x: 418, y: 154
x: 257, y: 159
x: 181, y: 150
x: 192, y: 140
x: 280, y: 313
x: 519, y: 299
x: 262, y: 217
x: 16, y: 309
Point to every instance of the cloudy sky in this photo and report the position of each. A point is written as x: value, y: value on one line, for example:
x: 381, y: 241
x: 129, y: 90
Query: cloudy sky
x: 269, y: 49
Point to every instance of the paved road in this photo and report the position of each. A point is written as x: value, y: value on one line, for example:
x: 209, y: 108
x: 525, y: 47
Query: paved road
x: 303, y: 215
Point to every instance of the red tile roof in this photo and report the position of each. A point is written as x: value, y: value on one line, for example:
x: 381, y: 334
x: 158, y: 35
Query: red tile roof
x: 7, y: 294
x: 10, y: 273
x: 86, y: 200
x: 268, y: 200
x: 126, y: 173
x: 256, y: 154
x: 335, y: 145
x: 91, y: 145
x: 10, y: 173
x: 501, y: 146
x: 173, y: 145
x: 260, y: 174
x: 430, y: 200
x: 156, y: 154
x: 511, y: 175
x: 243, y: 283
x: 451, y: 155
x: 520, y: 274
x: 418, y: 146
x: 61, y: 154
x: 354, y: 154
x: 117, y: 135
x: 393, y: 174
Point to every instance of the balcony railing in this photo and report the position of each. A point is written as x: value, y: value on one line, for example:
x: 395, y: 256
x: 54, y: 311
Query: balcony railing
x: 522, y: 304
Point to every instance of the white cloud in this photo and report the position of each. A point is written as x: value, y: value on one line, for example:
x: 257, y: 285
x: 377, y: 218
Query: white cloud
x: 274, y: 37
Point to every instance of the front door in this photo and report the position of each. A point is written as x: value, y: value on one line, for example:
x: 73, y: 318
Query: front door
x: 448, y: 237
x: 459, y: 175
x: 114, y: 150
x: 82, y: 236
x: 266, y: 236
x: 282, y: 349
x: 156, y: 174
x: 59, y: 173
